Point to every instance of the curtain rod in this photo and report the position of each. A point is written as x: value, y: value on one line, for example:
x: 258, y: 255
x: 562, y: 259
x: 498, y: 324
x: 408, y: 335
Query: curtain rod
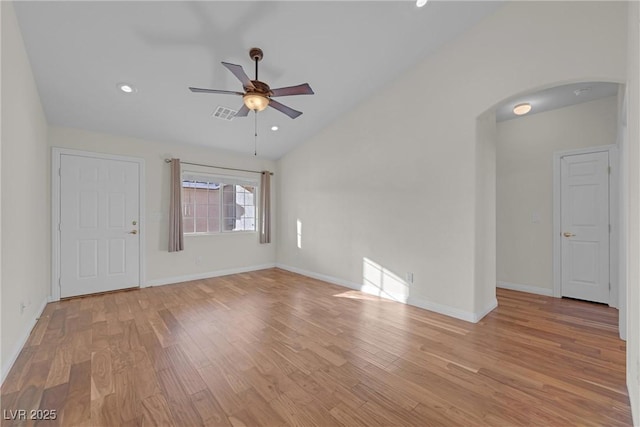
x: 217, y: 167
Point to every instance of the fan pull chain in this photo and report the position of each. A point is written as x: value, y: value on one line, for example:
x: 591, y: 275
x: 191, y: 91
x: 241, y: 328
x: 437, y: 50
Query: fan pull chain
x: 255, y: 141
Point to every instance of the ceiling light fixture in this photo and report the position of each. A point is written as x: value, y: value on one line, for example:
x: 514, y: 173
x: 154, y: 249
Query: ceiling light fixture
x: 255, y: 101
x: 421, y: 3
x: 274, y: 128
x: 522, y: 109
x: 580, y: 91
x: 126, y: 87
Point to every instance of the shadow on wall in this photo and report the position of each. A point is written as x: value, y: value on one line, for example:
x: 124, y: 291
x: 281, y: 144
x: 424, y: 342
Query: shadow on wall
x: 209, y: 29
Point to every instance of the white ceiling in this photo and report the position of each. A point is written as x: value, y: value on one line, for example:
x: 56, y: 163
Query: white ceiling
x: 557, y: 97
x: 79, y: 51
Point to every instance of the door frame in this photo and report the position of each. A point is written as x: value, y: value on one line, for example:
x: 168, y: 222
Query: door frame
x: 614, y: 180
x: 56, y: 154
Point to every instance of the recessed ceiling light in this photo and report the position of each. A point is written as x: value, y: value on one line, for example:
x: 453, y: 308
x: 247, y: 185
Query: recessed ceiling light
x: 421, y: 3
x: 522, y: 109
x: 274, y: 128
x: 126, y: 88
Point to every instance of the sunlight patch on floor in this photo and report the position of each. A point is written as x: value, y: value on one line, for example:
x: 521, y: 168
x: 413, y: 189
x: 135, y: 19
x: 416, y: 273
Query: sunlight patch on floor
x: 360, y: 296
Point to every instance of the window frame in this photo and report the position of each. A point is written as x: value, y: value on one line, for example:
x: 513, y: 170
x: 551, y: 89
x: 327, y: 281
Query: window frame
x: 222, y: 180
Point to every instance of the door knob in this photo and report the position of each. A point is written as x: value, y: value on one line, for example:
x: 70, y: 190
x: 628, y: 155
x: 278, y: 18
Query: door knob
x: 567, y: 234
x: 133, y: 232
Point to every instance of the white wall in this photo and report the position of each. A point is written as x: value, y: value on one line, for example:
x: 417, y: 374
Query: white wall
x: 204, y: 256
x: 633, y: 200
x: 620, y: 252
x: 2, y: 358
x: 394, y: 180
x: 485, y: 227
x: 525, y: 184
x: 25, y: 203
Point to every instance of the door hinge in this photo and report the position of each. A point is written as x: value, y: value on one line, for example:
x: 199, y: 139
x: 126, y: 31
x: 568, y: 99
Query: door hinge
x: 609, y: 170
x: 609, y: 286
x: 609, y: 228
x: 60, y: 282
x: 59, y: 172
x: 59, y: 226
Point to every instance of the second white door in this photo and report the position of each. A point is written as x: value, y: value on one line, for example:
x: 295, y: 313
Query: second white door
x: 585, y: 226
x: 99, y: 218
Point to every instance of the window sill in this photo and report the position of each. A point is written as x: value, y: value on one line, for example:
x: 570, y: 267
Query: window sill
x: 223, y: 233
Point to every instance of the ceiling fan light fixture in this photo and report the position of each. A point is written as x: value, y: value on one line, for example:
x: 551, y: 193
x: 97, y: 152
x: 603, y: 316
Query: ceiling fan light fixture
x: 257, y: 95
x: 421, y: 3
x: 255, y: 101
x: 522, y: 109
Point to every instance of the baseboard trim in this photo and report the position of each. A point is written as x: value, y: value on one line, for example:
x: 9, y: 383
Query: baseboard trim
x: 492, y: 306
x: 416, y: 302
x: 525, y: 288
x: 207, y: 275
x: 467, y: 316
x: 8, y: 364
x: 319, y: 276
x: 634, y: 401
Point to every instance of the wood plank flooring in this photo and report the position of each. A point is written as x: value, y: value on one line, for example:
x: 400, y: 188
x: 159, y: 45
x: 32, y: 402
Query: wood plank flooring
x: 272, y: 348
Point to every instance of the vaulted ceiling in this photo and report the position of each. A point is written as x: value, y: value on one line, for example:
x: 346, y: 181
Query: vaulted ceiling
x: 80, y: 51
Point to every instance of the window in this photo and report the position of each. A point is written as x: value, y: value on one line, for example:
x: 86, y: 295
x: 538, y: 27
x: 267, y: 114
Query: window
x: 213, y: 204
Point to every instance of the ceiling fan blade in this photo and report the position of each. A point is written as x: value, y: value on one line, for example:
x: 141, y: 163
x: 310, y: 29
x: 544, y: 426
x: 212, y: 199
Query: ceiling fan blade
x: 242, y: 112
x: 284, y: 109
x: 303, y: 89
x: 228, y: 92
x: 238, y: 71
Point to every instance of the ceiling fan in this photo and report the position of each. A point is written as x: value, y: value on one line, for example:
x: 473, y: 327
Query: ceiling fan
x: 258, y: 95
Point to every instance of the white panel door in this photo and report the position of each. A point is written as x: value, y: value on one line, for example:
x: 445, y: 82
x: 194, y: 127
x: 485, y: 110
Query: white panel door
x: 585, y: 226
x: 99, y: 217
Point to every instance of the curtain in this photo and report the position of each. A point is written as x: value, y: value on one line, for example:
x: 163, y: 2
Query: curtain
x: 265, y: 207
x: 176, y: 237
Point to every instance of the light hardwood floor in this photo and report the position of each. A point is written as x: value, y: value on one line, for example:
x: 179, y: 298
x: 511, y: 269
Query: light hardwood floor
x: 272, y: 348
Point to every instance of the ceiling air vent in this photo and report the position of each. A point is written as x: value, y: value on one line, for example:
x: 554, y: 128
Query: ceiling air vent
x: 224, y: 113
